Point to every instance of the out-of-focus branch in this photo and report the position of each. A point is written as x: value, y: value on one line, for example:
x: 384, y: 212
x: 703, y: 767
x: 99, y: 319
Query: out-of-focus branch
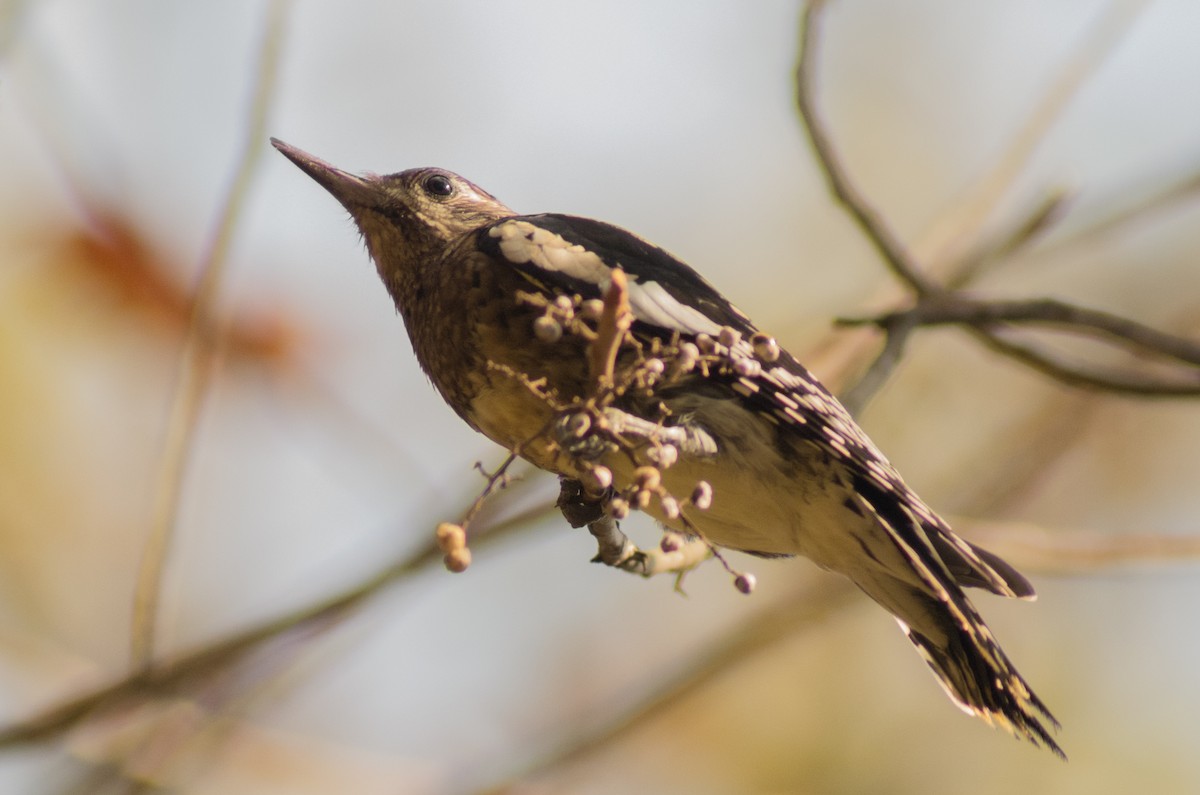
x: 201, y: 350
x: 188, y: 669
x: 1047, y: 311
x: 959, y: 229
x: 873, y: 225
x: 986, y: 319
x: 994, y: 321
x: 797, y: 612
x: 1115, y: 381
x: 1033, y: 548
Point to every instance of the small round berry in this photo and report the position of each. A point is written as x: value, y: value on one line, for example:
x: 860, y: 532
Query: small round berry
x: 458, y: 561
x: 547, y: 329
x: 647, y: 477
x: 765, y: 347
x: 597, y: 479
x: 670, y: 507
x: 591, y: 309
x: 450, y: 537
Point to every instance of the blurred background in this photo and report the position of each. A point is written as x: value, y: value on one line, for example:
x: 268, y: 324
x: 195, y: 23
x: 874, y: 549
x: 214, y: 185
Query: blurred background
x: 320, y: 455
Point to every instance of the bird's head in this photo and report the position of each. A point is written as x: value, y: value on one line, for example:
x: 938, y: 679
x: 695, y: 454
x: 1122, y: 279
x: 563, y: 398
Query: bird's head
x: 405, y: 218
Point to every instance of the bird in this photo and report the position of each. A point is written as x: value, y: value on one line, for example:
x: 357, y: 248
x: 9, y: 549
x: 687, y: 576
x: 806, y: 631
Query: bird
x: 791, y: 473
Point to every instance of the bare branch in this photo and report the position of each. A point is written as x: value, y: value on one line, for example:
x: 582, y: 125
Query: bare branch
x: 1107, y: 379
x: 1068, y: 317
x: 193, y: 667
x: 959, y: 229
x: 886, y: 242
x: 1031, y: 547
x: 201, y: 349
x: 795, y: 613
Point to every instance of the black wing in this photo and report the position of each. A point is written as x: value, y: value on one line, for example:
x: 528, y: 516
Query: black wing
x: 577, y: 255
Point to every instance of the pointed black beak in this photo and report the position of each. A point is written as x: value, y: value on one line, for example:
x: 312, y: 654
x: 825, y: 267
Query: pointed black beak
x: 351, y: 190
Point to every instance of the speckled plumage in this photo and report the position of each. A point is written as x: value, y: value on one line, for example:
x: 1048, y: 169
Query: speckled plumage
x: 791, y: 472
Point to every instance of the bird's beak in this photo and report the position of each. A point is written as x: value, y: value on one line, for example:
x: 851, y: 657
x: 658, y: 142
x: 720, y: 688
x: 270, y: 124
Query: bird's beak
x: 353, y: 191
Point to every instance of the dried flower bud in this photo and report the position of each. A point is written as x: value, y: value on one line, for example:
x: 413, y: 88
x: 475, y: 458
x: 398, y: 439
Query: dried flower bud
x: 745, y: 582
x: 450, y: 537
x: 702, y: 495
x: 618, y: 507
x: 670, y: 507
x: 705, y: 343
x: 576, y: 425
x: 458, y: 560
x: 728, y: 337
x: 765, y: 347
x: 642, y: 499
x: 547, y: 329
x: 564, y: 303
x: 685, y: 360
x: 596, y: 480
x: 591, y: 309
x: 654, y: 366
x: 663, y: 456
x: 746, y: 368
x: 671, y: 542
x: 647, y: 477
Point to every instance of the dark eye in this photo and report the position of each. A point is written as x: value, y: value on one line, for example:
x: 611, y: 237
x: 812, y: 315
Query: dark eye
x: 438, y: 185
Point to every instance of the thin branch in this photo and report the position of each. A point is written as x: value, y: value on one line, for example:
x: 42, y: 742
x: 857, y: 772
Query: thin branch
x: 1034, y: 548
x: 1030, y: 227
x: 615, y: 320
x: 957, y: 231
x: 873, y: 225
x: 897, y: 331
x: 1069, y: 317
x: 201, y: 349
x: 1107, y: 379
x: 171, y: 675
x: 802, y: 610
x: 1185, y: 189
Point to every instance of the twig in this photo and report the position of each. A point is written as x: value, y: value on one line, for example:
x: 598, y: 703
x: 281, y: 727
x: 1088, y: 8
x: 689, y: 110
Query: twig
x: 201, y: 348
x: 957, y: 309
x: 798, y: 612
x: 1113, y: 223
x: 495, y: 482
x: 876, y: 229
x: 615, y: 320
x: 1034, y: 548
x: 1107, y: 379
x: 1030, y: 227
x: 897, y: 333
x: 171, y: 675
x: 957, y: 231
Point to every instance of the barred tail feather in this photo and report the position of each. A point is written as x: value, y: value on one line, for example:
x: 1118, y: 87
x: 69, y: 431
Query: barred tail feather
x: 926, y: 597
x: 978, y: 676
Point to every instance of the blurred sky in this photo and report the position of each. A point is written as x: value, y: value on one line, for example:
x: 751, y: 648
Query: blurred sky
x: 675, y: 120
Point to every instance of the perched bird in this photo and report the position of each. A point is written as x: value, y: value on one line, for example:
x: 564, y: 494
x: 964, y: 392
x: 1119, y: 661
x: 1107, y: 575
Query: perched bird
x: 791, y: 473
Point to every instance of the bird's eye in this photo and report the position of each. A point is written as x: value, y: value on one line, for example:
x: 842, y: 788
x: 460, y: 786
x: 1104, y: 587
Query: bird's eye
x: 438, y: 185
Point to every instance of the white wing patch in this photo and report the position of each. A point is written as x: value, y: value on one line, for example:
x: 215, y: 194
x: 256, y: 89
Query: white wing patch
x: 652, y: 304
x: 522, y: 242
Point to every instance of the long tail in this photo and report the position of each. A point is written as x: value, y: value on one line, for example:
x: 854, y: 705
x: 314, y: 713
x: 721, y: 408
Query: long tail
x: 926, y: 597
x: 974, y: 671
